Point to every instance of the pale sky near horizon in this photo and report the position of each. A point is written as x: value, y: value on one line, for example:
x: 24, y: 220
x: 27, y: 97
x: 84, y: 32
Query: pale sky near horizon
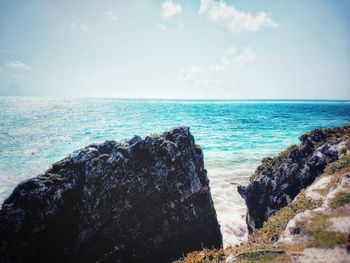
x: 228, y: 49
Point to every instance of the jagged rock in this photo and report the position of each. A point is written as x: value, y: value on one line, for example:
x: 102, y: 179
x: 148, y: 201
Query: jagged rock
x: 277, y: 181
x: 136, y: 201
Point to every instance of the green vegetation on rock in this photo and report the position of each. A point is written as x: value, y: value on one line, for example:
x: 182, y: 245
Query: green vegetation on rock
x: 320, y: 237
x: 338, y: 165
x: 204, y: 256
x: 325, y: 239
x: 268, y: 164
x: 271, y: 242
x: 263, y: 257
x: 277, y: 223
x: 340, y: 199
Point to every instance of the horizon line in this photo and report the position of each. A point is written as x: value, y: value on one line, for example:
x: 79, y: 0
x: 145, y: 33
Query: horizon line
x: 174, y: 99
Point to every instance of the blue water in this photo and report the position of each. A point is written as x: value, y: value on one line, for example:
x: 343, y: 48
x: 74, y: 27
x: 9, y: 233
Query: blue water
x: 234, y: 135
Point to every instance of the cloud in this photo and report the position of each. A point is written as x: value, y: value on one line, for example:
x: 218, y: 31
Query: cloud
x: 214, y: 78
x: 231, y: 50
x: 234, y: 58
x: 196, y: 80
x: 218, y: 67
x: 195, y: 69
x: 112, y: 16
x: 162, y: 27
x: 236, y: 21
x: 19, y: 65
x: 74, y: 26
x: 170, y: 9
x: 247, y: 55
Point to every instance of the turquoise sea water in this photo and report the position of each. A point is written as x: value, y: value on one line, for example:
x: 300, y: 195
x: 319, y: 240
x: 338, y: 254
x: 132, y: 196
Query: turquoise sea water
x: 234, y: 135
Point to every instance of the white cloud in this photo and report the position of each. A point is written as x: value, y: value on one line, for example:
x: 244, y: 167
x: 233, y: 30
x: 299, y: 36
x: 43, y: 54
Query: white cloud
x: 112, y: 15
x: 195, y: 69
x: 234, y: 58
x: 231, y: 50
x: 236, y: 21
x: 83, y: 27
x: 214, y: 78
x: 162, y: 27
x: 247, y: 55
x: 170, y: 9
x: 191, y: 74
x: 179, y: 28
x: 19, y: 65
x: 197, y: 80
x: 218, y: 67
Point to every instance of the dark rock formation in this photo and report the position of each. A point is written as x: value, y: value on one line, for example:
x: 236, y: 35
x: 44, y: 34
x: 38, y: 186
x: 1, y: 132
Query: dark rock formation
x: 278, y: 180
x: 138, y: 201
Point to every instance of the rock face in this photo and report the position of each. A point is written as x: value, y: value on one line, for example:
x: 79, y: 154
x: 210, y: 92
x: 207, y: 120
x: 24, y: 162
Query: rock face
x: 277, y: 181
x: 138, y: 201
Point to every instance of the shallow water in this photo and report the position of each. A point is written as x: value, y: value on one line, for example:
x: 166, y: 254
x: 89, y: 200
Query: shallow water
x: 234, y: 135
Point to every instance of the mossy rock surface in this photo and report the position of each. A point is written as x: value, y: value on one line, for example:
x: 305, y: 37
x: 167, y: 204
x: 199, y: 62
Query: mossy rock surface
x: 278, y: 180
x: 276, y: 224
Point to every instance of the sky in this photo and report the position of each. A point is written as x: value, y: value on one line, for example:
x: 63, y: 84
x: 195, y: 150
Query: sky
x: 181, y: 49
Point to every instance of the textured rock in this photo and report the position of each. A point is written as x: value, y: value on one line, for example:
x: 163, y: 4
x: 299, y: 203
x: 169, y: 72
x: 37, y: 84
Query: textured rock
x: 277, y: 181
x: 314, y: 191
x: 136, y: 201
x: 340, y: 224
x: 334, y: 255
x: 293, y: 229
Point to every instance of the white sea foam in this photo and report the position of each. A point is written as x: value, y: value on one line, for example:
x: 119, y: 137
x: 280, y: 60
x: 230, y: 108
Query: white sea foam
x: 230, y: 207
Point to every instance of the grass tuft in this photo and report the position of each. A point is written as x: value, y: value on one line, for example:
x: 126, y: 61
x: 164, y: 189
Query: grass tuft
x: 326, y: 239
x: 321, y: 238
x: 338, y: 165
x: 339, y: 199
x: 263, y: 257
x: 204, y: 256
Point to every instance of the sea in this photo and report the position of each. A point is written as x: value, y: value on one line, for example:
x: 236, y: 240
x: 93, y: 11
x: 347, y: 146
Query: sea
x: 234, y: 135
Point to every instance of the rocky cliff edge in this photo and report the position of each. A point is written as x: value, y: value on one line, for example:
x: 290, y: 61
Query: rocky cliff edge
x: 142, y: 200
